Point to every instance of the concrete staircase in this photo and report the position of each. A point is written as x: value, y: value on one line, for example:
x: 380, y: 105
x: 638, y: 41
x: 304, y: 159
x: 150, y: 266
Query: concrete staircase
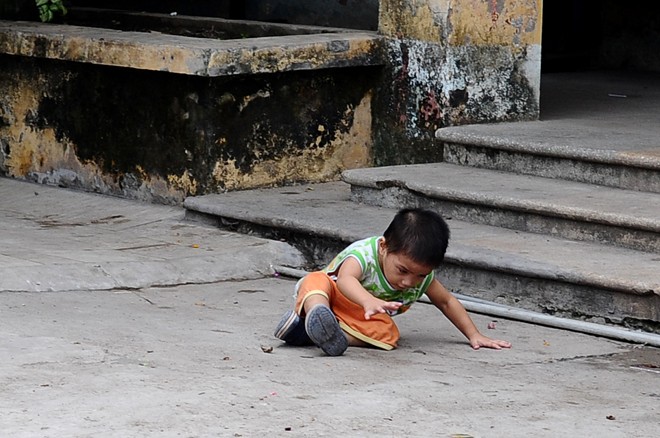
x: 544, y: 216
x: 547, y: 245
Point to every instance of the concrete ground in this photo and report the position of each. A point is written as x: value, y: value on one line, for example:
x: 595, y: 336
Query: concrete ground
x: 115, y: 352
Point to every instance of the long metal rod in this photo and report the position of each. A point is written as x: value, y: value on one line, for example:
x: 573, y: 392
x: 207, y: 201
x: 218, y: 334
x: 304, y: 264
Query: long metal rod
x: 494, y: 309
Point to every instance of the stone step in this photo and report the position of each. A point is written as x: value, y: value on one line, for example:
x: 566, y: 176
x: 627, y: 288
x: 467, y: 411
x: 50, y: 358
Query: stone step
x: 624, y: 158
x: 596, y: 127
x: 567, y: 209
x: 533, y: 271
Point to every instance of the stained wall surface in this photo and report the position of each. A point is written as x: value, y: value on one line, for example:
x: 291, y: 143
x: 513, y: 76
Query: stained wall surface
x: 162, y: 136
x: 288, y: 114
x: 454, y: 62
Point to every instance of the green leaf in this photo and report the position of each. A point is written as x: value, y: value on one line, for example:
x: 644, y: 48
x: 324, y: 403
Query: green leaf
x: 48, y: 9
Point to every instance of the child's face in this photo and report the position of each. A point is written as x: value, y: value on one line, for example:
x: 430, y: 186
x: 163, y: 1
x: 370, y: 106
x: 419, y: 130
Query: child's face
x: 401, y: 271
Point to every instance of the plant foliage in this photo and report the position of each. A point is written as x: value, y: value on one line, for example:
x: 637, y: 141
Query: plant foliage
x: 48, y: 9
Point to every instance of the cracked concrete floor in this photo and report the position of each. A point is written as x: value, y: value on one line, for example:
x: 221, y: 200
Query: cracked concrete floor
x: 193, y: 361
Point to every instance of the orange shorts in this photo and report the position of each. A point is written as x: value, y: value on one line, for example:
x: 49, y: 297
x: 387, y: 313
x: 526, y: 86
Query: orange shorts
x: 379, y: 331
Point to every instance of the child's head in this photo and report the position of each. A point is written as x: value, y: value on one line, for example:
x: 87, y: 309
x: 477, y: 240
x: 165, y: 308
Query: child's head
x: 421, y: 235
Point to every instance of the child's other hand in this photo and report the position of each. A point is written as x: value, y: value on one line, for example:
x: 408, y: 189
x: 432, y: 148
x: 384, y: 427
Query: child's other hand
x: 480, y: 340
x: 379, y: 306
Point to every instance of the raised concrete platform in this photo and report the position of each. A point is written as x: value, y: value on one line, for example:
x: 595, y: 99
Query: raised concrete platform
x: 189, y: 55
x: 60, y: 240
x: 178, y: 115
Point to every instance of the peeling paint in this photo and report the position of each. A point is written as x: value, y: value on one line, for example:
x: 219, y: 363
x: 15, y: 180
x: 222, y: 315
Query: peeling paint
x: 481, y: 64
x: 460, y: 22
x: 497, y: 85
x: 484, y: 66
x: 184, y: 183
x: 260, y: 94
x: 513, y: 23
x: 38, y: 155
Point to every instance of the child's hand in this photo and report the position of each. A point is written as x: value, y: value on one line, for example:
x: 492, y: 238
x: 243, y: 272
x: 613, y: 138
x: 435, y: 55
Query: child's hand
x: 377, y: 305
x: 479, y: 340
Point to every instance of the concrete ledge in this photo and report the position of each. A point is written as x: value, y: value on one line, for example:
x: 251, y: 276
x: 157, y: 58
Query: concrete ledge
x: 189, y: 55
x: 556, y: 167
x: 575, y: 211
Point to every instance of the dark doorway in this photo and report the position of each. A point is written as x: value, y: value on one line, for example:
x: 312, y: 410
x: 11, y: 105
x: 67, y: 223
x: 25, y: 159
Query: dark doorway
x: 581, y: 35
x: 599, y: 57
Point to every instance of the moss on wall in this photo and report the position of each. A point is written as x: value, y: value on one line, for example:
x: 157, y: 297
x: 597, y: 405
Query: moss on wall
x: 160, y: 136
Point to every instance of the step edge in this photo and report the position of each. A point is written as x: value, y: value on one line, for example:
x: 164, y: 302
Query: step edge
x: 463, y: 254
x: 602, y: 156
x: 353, y: 178
x: 457, y: 253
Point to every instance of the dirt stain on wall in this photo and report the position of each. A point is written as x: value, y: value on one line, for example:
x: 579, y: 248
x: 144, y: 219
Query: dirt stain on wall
x: 422, y: 20
x: 160, y: 137
x: 348, y: 148
x: 454, y: 62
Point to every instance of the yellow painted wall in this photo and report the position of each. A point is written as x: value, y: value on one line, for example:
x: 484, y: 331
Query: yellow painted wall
x: 460, y: 22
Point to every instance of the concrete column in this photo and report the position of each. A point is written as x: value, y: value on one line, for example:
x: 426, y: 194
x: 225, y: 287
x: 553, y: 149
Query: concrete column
x: 455, y: 62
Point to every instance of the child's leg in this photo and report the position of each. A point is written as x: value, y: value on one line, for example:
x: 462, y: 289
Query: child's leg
x: 318, y: 289
x: 321, y: 325
x: 311, y: 302
x: 291, y: 329
x: 312, y: 290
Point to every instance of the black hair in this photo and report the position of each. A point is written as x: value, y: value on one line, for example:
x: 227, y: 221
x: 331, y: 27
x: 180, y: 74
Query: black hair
x: 422, y: 235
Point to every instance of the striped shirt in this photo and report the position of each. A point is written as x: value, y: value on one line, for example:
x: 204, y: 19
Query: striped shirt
x: 373, y: 279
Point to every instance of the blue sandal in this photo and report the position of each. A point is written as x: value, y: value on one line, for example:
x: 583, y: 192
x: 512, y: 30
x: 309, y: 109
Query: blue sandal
x: 291, y: 329
x: 324, y: 330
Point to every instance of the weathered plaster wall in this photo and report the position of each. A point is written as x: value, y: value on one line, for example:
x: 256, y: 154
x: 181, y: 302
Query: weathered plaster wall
x: 159, y: 136
x: 154, y: 135
x: 454, y: 62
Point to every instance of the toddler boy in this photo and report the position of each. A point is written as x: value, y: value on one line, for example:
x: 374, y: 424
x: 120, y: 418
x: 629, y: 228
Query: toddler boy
x: 352, y: 300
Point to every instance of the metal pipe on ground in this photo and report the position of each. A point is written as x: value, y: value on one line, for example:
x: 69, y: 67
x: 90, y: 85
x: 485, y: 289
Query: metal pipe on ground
x: 494, y: 309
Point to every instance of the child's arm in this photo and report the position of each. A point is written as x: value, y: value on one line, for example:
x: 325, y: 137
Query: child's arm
x: 455, y: 312
x: 349, y: 284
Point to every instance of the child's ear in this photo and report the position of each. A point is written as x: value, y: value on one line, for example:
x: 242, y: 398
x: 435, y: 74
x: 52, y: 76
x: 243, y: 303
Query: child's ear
x: 382, y: 244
